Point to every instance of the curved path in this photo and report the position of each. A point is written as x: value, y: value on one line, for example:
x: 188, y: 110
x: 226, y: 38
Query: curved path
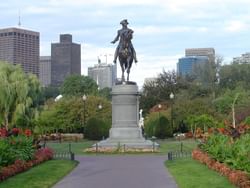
x: 119, y: 172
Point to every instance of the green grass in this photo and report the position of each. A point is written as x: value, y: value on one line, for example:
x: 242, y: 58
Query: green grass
x: 189, y: 173
x: 175, y: 145
x: 41, y: 176
x: 76, y: 147
x: 165, y: 146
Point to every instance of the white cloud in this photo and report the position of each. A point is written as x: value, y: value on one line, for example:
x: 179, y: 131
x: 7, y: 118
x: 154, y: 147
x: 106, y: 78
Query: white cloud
x: 38, y: 10
x: 160, y: 30
x: 106, y: 3
x: 236, y: 26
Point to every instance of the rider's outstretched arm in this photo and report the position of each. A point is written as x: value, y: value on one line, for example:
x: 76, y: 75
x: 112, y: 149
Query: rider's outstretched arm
x: 116, y: 38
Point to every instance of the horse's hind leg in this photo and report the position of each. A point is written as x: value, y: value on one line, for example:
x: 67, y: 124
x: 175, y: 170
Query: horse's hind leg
x: 123, y: 78
x: 128, y: 71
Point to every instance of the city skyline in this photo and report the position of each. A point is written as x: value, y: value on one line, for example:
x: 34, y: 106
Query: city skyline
x: 163, y: 29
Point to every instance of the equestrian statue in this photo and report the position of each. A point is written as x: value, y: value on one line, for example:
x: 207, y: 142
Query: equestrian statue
x: 125, y: 50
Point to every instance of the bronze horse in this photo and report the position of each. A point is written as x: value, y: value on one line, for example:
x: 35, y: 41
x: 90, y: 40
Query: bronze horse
x: 125, y: 54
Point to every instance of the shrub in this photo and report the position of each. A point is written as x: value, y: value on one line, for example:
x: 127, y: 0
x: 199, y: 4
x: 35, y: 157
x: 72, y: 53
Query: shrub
x: 150, y: 127
x: 163, y: 128
x: 22, y: 147
x: 16, y: 147
x: 240, y: 157
x: 238, y: 178
x: 96, y: 129
x: 18, y: 166
x: 6, y: 154
x: 236, y: 154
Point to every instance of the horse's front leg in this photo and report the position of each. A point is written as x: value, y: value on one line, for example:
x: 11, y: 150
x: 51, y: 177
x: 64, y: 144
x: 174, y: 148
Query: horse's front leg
x: 123, y: 78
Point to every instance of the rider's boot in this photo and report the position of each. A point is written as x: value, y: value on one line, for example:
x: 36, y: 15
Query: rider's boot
x: 115, y: 58
x: 135, y: 59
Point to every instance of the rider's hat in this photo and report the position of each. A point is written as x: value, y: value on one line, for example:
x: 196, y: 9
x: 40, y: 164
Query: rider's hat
x: 124, y: 22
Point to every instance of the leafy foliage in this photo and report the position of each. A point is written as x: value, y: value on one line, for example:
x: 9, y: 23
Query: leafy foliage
x: 16, y: 147
x: 236, y: 177
x: 96, y: 129
x: 163, y: 128
x: 158, y: 125
x: 77, y: 85
x: 235, y: 154
x: 19, y: 95
x: 70, y: 114
x: 18, y: 165
x: 105, y: 93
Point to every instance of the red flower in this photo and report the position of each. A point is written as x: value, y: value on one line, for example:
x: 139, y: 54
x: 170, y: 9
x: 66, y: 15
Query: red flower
x: 27, y: 132
x: 3, y: 132
x: 15, y: 131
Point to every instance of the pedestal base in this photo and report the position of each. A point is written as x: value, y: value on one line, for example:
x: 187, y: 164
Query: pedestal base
x: 125, y: 130
x: 135, y: 144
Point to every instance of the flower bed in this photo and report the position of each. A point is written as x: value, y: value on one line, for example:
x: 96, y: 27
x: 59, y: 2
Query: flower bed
x: 113, y: 150
x: 18, y: 166
x: 239, y: 178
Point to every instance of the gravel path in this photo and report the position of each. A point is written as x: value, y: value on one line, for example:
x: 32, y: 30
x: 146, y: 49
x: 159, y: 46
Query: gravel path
x: 119, y: 172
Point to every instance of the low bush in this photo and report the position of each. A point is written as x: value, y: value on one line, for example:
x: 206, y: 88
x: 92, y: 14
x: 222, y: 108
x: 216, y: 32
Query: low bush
x: 234, y: 153
x: 163, y: 128
x: 96, y: 129
x: 150, y: 126
x: 6, y: 154
x: 159, y: 128
x: 16, y: 147
x: 18, y: 166
x: 239, y: 178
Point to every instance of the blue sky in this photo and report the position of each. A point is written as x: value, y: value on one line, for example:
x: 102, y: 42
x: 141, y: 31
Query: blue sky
x: 162, y: 28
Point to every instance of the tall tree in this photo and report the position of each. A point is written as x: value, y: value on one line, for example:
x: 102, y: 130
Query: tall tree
x: 71, y: 114
x: 235, y: 75
x: 18, y: 94
x: 77, y: 85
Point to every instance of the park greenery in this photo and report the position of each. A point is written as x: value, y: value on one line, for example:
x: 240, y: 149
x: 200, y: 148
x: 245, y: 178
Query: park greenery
x: 19, y: 96
x: 68, y: 114
x: 41, y: 176
x: 200, y: 101
x: 234, y: 154
x: 190, y: 173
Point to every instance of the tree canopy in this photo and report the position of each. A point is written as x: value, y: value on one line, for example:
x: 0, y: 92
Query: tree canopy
x: 209, y: 94
x: 77, y: 85
x: 19, y: 95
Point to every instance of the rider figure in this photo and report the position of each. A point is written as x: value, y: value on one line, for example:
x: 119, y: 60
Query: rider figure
x: 120, y: 34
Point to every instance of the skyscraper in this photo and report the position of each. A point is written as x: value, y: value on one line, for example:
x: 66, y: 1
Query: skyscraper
x: 45, y: 70
x: 104, y: 74
x: 20, y: 46
x: 65, y: 59
x: 186, y: 65
x: 209, y: 52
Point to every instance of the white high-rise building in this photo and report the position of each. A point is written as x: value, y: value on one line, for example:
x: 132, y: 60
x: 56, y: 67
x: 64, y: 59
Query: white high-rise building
x: 104, y: 74
x: 244, y: 58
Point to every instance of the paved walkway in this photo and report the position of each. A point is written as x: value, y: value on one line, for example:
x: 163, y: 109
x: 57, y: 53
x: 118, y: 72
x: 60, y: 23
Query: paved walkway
x: 119, y: 172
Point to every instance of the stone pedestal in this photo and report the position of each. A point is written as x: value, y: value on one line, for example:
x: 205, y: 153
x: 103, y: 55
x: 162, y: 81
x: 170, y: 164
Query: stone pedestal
x: 125, y: 118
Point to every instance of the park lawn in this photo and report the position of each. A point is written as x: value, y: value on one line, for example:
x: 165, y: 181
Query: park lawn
x: 166, y: 146
x: 76, y: 147
x: 42, y: 176
x: 190, y: 173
